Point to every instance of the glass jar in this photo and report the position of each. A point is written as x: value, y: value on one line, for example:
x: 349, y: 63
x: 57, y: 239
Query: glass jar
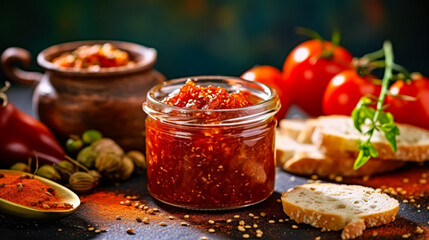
x: 211, y: 159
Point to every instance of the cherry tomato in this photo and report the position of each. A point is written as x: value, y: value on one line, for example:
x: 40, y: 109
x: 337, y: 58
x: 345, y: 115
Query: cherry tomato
x: 308, y: 72
x: 345, y: 90
x: 408, y: 111
x: 272, y: 77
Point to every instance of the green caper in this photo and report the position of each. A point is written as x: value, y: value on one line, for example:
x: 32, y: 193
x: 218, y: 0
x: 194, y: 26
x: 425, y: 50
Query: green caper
x: 49, y: 172
x: 87, y: 157
x: 107, y: 145
x: 73, y: 145
x: 66, y: 165
x: 127, y: 168
x: 139, y: 161
x: 19, y: 166
x: 82, y: 182
x: 90, y: 136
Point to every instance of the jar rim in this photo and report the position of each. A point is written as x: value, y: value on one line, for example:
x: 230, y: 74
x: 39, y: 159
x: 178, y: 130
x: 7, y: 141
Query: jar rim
x: 265, y: 109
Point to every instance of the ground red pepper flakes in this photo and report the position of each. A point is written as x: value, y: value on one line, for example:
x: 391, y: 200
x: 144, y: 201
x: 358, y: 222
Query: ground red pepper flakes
x: 197, y: 97
x: 30, y: 192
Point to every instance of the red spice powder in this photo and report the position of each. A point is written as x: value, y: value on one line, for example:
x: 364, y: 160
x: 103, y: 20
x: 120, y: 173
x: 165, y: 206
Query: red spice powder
x: 30, y: 192
x: 412, y: 182
x: 105, y: 206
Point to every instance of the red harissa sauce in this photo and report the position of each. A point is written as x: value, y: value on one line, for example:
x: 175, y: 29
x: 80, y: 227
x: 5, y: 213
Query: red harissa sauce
x: 215, y: 166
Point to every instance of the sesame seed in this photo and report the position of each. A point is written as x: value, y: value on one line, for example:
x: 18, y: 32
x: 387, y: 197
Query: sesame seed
x: 97, y: 231
x: 375, y: 234
x: 338, y: 179
x: 151, y: 211
x: 163, y: 224
x: 103, y: 229
x: 59, y: 230
x: 419, y: 230
x: 186, y: 216
x: 204, y: 238
x: 317, y: 238
x: 314, y: 177
x: 271, y: 221
x: 294, y: 226
x: 128, y: 202
x: 236, y: 216
x: 412, y: 200
x: 130, y: 231
x: 211, y: 222
x: 407, y: 235
x: 241, y: 223
x: 211, y: 230
x: 263, y: 214
x: 91, y: 229
x: 156, y: 210
x: 171, y: 217
x: 118, y: 218
x: 255, y: 225
x: 139, y: 219
x: 121, y: 202
x: 229, y: 220
x: 246, y: 235
x: 184, y: 224
x: 251, y: 215
x: 258, y: 235
x: 405, y: 201
x: 241, y: 228
x: 145, y: 208
x: 255, y: 217
x: 248, y: 226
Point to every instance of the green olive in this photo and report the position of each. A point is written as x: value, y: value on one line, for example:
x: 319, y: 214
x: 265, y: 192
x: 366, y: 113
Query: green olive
x: 91, y: 136
x: 74, y: 145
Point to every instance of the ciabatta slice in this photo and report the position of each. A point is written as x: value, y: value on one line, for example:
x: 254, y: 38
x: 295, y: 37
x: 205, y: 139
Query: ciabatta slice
x: 337, y: 133
x: 306, y: 159
x: 335, y: 207
x: 298, y: 129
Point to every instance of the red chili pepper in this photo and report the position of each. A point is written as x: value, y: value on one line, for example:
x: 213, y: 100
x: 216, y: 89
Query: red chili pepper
x: 22, y: 136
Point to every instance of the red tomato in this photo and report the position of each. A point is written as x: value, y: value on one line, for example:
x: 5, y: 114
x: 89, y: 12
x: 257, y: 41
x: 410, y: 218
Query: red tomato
x: 272, y: 77
x: 411, y: 112
x: 345, y: 90
x: 308, y: 73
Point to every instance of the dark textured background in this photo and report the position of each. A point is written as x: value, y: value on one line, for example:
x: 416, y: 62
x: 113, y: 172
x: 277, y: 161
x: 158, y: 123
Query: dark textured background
x: 219, y: 37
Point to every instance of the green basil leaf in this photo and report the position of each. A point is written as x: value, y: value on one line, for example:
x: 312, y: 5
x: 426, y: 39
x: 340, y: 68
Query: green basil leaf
x: 362, y: 112
x: 361, y: 160
x: 390, y: 131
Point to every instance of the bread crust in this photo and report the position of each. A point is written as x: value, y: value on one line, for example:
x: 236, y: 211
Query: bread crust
x: 332, y: 144
x: 352, y: 227
x: 308, y: 164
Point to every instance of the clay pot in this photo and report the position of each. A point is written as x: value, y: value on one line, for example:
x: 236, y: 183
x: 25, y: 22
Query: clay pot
x: 70, y: 101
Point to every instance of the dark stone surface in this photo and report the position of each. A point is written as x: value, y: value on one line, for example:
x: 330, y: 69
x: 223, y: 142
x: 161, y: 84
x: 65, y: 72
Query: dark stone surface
x: 76, y: 225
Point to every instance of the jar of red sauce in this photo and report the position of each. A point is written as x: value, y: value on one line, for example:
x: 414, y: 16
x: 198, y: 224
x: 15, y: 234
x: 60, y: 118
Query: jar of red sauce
x: 211, y: 159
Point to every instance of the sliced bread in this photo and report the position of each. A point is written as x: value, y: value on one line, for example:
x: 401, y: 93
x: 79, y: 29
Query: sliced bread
x: 335, y: 207
x: 334, y: 134
x: 298, y: 129
x: 306, y: 159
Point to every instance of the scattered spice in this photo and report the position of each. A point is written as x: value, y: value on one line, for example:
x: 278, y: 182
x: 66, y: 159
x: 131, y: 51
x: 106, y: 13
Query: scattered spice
x: 246, y: 235
x: 294, y: 226
x: 211, y: 230
x: 138, y: 219
x: 184, y: 224
x: 419, y: 230
x: 91, y: 229
x: 30, y: 192
x: 163, y: 224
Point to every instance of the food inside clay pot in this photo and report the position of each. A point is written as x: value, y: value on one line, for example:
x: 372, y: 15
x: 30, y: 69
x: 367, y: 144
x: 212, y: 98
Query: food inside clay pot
x: 94, y: 57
